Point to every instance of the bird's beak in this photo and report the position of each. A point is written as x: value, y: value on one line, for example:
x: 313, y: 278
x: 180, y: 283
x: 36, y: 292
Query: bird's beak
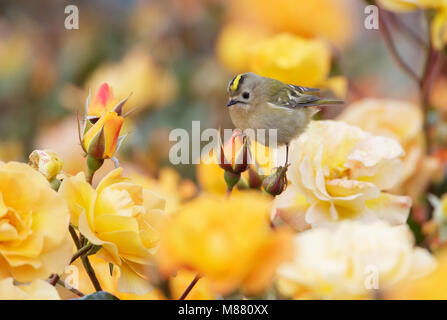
x: 232, y: 102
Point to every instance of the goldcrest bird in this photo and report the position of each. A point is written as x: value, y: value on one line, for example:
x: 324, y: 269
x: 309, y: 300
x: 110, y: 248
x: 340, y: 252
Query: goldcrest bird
x: 263, y: 103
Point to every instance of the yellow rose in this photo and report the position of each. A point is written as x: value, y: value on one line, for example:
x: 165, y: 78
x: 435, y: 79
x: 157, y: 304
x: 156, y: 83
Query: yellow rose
x: 37, y: 290
x: 234, y: 43
x: 351, y: 260
x: 123, y: 218
x: 342, y: 171
x: 402, y: 121
x: 34, y: 239
x: 429, y: 287
x: 329, y: 19
x: 229, y: 241
x: 291, y: 59
x: 168, y: 185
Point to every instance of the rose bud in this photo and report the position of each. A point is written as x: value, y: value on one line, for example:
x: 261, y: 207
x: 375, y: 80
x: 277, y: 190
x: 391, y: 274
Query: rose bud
x: 276, y: 182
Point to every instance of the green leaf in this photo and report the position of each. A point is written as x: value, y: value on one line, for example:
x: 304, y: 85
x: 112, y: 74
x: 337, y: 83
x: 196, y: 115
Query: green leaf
x: 100, y: 295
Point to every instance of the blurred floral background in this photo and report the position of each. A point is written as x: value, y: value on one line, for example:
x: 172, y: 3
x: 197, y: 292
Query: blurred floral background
x: 176, y: 58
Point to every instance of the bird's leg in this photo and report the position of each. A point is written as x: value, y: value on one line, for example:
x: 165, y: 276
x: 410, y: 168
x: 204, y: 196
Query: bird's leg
x: 287, y: 155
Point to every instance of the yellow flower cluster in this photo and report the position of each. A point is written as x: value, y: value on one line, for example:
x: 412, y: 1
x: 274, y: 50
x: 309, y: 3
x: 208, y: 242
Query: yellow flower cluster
x: 34, y: 221
x: 34, y: 239
x: 123, y: 218
x: 284, y: 39
x: 228, y: 241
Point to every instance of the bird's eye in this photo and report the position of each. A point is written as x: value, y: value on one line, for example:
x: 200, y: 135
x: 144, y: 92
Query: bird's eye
x: 245, y: 95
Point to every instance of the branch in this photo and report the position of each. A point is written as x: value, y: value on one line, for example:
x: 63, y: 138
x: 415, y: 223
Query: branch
x: 81, y: 252
x: 392, y: 48
x: 189, y: 288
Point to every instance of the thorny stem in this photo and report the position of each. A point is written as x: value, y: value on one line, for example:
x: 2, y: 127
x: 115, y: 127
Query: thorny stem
x: 432, y: 66
x: 91, y: 273
x: 81, y: 252
x: 392, y: 48
x: 55, y: 278
x: 190, y: 287
x: 75, y: 237
x: 74, y: 290
x: 399, y: 25
x: 79, y: 242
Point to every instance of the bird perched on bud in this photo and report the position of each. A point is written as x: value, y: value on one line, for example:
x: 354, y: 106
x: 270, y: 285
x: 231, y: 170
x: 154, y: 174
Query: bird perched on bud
x: 263, y: 103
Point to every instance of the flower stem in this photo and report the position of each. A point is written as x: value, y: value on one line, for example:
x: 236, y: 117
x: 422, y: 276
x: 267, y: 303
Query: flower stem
x: 190, y: 287
x: 93, y: 164
x: 91, y: 273
x: 74, y: 290
x: 383, y: 18
x: 74, y: 236
x: 80, y: 245
x: 54, y: 278
x: 81, y: 252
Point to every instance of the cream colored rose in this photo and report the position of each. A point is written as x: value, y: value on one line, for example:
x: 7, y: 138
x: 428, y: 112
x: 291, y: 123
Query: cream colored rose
x: 341, y: 172
x: 34, y: 239
x: 351, y: 261
x: 37, y: 290
x: 402, y: 121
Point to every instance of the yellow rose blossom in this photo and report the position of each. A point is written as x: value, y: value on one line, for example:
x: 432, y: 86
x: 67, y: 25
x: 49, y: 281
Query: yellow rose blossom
x: 329, y: 19
x: 234, y: 43
x: 123, y: 218
x: 429, y: 287
x: 151, y: 86
x: 229, y: 241
x: 169, y: 186
x: 291, y: 59
x: 342, y: 171
x: 402, y: 121
x: 37, y: 290
x: 351, y: 260
x: 34, y: 239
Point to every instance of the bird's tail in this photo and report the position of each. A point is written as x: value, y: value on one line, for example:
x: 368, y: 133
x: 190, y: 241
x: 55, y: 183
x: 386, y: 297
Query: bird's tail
x: 325, y: 101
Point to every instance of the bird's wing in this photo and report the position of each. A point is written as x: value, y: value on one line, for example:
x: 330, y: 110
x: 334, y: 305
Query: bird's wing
x: 290, y: 97
x: 303, y: 89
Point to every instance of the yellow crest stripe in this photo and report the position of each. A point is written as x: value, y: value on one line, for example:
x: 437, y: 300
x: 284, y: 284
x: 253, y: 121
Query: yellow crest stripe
x: 235, y: 83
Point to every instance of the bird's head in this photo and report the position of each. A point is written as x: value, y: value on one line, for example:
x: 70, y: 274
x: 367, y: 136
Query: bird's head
x: 242, y: 89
